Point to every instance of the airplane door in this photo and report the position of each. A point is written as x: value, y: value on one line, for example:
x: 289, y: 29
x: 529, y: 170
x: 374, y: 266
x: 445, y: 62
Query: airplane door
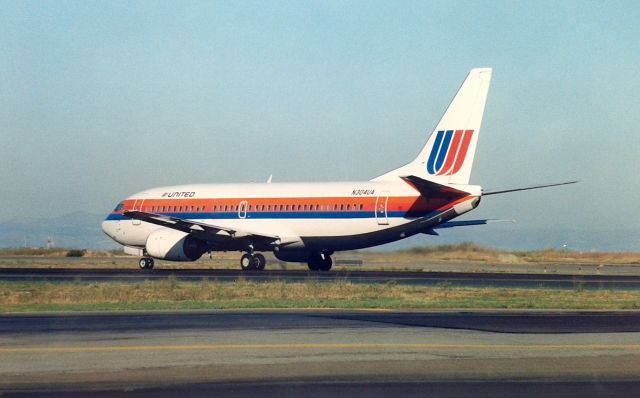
x: 242, y: 209
x: 381, y: 208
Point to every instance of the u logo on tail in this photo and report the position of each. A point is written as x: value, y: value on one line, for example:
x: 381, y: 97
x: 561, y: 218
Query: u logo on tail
x: 448, y: 152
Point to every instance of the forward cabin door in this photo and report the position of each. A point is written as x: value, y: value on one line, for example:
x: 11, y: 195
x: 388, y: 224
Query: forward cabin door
x: 381, y: 208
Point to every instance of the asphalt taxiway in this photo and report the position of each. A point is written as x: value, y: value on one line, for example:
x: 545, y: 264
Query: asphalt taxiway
x: 322, y: 352
x: 475, y: 279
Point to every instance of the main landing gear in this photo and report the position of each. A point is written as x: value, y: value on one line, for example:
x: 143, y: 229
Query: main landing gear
x: 146, y: 263
x: 320, y: 262
x: 249, y: 262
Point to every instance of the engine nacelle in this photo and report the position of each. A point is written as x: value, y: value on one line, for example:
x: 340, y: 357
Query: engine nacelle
x: 174, y: 245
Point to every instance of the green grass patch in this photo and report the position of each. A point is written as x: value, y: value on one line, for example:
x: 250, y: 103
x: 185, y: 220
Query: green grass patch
x: 172, y: 294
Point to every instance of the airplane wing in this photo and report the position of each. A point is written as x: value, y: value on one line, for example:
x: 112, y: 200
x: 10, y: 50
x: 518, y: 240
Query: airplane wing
x: 204, y: 230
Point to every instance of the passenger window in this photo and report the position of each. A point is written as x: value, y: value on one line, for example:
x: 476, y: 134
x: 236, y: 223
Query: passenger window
x: 341, y: 207
x: 361, y: 206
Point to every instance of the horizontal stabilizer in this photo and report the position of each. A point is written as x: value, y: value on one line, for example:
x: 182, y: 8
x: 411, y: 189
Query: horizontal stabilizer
x: 466, y: 223
x: 528, y: 188
x: 429, y: 188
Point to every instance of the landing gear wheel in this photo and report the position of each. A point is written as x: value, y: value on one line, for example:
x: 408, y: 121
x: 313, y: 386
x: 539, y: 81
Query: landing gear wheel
x: 259, y: 261
x: 146, y: 263
x: 317, y: 263
x: 325, y: 265
x: 314, y: 263
x: 247, y: 262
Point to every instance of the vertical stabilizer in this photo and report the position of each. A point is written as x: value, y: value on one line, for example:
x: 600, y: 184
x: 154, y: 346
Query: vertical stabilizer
x: 447, y: 158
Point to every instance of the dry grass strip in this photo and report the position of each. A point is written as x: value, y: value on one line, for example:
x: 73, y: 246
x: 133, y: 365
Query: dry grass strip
x: 172, y: 294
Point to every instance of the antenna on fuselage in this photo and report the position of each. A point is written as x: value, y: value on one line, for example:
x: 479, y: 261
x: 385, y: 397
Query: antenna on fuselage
x: 270, y: 178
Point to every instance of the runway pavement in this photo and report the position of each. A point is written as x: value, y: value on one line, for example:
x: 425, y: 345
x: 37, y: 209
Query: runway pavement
x: 322, y: 353
x: 476, y: 279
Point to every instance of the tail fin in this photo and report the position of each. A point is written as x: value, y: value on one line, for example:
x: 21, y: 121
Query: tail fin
x: 447, y: 158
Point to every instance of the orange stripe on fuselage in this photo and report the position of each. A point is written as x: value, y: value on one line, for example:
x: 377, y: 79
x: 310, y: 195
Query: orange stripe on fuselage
x: 395, y: 203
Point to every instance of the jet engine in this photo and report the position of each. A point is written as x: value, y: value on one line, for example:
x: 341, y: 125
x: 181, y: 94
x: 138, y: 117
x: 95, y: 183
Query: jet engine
x: 174, y: 245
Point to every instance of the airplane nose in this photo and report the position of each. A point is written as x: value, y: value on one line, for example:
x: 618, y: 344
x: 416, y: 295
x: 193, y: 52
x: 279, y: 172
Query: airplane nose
x: 108, y: 228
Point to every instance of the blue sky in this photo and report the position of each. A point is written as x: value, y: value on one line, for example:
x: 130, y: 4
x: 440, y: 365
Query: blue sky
x: 99, y: 100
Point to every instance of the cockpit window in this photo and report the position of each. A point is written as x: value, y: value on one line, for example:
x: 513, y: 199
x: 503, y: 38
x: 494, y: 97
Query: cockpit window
x: 119, y: 207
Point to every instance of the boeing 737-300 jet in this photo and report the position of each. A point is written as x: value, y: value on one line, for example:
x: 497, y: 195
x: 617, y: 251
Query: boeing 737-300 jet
x: 308, y: 222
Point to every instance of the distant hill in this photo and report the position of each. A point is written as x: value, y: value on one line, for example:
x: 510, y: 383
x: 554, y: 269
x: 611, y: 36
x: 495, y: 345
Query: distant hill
x: 82, y: 230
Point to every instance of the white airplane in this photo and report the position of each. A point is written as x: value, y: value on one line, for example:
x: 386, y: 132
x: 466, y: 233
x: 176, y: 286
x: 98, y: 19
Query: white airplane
x: 308, y: 222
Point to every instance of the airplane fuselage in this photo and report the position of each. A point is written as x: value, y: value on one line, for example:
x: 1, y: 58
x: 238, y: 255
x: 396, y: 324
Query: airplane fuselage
x: 323, y: 217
